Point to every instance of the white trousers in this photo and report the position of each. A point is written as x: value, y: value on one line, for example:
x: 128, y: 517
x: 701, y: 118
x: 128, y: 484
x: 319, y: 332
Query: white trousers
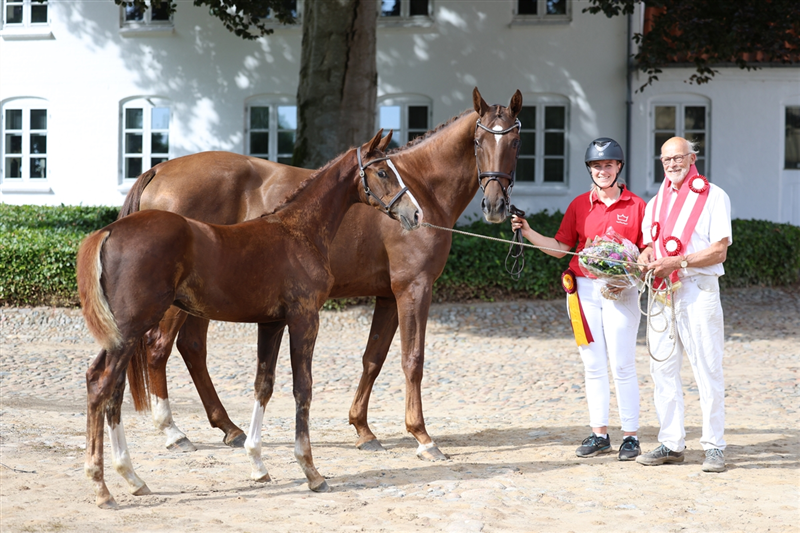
x: 700, y: 335
x: 614, y: 325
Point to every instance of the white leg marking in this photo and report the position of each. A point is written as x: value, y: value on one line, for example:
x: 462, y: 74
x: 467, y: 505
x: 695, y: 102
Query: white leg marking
x: 162, y: 419
x: 253, y: 443
x: 424, y: 447
x: 121, y: 459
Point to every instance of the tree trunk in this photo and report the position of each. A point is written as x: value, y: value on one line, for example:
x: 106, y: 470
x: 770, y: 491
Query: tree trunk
x: 338, y: 79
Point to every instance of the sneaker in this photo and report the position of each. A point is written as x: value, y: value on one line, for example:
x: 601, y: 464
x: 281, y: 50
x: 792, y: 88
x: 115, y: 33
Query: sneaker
x: 593, y: 445
x: 629, y: 449
x: 660, y: 456
x: 715, y: 461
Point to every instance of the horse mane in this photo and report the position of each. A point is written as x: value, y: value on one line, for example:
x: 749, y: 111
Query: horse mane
x: 428, y: 134
x: 305, y: 183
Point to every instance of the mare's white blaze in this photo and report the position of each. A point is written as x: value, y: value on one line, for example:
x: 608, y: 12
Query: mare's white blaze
x: 253, y: 443
x: 121, y: 459
x: 162, y: 419
x: 497, y: 137
x: 408, y: 192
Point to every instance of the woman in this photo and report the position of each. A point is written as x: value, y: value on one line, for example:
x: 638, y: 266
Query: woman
x: 611, y: 315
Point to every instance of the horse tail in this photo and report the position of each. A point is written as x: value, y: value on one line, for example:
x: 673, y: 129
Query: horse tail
x: 134, y: 197
x: 96, y: 311
x: 139, y: 378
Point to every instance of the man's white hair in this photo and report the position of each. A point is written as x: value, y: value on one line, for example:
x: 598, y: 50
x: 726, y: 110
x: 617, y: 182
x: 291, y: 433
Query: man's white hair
x: 692, y: 146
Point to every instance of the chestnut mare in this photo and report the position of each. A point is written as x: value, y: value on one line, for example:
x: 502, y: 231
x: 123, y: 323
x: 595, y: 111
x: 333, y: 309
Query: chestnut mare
x: 444, y: 168
x: 273, y: 268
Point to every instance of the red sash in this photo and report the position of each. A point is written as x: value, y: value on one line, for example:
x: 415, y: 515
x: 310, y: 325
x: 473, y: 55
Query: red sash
x: 672, y: 229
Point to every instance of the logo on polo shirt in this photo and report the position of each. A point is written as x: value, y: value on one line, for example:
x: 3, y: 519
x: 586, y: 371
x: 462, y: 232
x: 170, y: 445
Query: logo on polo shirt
x: 622, y: 219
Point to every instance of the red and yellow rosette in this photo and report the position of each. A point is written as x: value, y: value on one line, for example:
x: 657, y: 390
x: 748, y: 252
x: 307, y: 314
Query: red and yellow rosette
x: 580, y: 327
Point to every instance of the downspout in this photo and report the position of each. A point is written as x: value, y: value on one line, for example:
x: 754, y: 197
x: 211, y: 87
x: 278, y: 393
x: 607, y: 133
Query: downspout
x: 628, y: 99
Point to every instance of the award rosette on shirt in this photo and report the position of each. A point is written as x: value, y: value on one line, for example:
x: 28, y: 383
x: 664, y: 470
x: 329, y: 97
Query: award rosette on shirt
x: 580, y: 327
x: 672, y: 228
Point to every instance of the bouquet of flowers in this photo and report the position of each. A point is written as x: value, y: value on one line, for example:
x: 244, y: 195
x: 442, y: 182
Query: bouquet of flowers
x: 605, y: 259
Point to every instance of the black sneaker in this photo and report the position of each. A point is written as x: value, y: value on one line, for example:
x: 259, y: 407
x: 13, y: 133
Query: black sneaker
x: 660, y: 456
x: 593, y: 445
x: 629, y: 449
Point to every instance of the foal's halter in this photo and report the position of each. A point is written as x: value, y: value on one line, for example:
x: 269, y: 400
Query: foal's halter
x: 362, y: 167
x: 494, y: 175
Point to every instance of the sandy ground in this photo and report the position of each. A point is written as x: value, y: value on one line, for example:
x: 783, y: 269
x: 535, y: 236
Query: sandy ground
x: 503, y: 396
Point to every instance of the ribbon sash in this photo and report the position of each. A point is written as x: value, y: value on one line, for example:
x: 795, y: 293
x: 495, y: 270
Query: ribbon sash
x: 677, y: 224
x: 580, y: 326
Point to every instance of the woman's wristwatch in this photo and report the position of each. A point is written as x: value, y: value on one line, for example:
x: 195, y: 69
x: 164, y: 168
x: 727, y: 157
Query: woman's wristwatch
x: 684, y: 262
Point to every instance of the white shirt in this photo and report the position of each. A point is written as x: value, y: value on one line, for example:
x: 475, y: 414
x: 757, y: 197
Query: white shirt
x: 713, y: 225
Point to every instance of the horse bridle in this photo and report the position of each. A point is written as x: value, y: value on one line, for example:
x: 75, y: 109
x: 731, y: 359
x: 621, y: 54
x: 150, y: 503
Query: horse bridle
x: 362, y: 167
x: 494, y: 175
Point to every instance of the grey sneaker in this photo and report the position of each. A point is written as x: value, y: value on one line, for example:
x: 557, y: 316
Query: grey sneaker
x: 630, y: 449
x: 660, y: 456
x: 715, y: 461
x: 593, y: 445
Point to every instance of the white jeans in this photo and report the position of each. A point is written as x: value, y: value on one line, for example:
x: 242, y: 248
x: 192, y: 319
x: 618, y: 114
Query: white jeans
x: 700, y: 335
x: 614, y: 325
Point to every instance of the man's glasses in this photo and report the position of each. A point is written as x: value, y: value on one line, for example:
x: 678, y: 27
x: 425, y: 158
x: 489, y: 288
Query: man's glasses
x: 678, y: 159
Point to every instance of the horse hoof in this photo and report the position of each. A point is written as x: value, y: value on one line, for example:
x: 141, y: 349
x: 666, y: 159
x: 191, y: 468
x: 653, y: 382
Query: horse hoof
x: 263, y: 479
x: 144, y: 490
x: 322, y: 487
x: 373, y: 445
x: 432, y: 454
x: 109, y: 503
x: 237, y: 441
x: 182, y: 445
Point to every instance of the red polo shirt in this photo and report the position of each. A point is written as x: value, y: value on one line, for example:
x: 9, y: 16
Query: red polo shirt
x: 587, y: 217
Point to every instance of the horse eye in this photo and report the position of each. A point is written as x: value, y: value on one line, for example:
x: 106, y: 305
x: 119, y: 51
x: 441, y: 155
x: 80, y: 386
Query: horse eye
x: 382, y: 174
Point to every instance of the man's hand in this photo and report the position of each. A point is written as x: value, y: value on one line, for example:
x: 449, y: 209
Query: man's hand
x: 665, y: 266
x: 645, y: 258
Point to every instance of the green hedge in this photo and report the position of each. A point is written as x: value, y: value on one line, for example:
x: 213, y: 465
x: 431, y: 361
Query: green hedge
x: 38, y: 246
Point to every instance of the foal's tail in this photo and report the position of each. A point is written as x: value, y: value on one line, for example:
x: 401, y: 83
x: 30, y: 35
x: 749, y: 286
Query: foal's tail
x: 100, y: 319
x: 96, y: 311
x: 134, y: 197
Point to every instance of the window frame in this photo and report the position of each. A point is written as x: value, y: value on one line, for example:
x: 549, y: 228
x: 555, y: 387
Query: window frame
x: 405, y: 19
x: 25, y: 183
x: 784, y: 165
x: 541, y: 16
x: 404, y: 101
x: 147, y: 27
x: 273, y: 102
x: 25, y: 30
x: 540, y: 102
x: 680, y: 102
x: 147, y: 103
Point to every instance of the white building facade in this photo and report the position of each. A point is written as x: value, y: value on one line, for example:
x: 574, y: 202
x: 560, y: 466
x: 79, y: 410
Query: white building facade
x: 92, y: 94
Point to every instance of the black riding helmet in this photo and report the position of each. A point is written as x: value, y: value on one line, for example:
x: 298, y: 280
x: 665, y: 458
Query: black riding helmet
x: 602, y: 149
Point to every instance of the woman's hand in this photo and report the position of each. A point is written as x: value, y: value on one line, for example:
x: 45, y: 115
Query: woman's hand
x: 519, y: 223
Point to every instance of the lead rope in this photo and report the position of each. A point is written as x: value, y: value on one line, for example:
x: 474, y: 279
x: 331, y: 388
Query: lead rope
x: 516, y: 268
x: 647, y: 287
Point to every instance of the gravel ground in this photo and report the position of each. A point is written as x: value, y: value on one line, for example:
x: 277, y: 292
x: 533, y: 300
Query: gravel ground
x: 503, y: 397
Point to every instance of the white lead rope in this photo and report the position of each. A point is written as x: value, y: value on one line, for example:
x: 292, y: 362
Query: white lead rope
x: 652, y: 293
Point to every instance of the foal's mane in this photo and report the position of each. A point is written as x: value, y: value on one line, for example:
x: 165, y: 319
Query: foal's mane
x: 306, y: 182
x: 427, y: 135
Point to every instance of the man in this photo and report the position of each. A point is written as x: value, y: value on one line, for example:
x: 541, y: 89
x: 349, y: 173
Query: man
x: 688, y: 228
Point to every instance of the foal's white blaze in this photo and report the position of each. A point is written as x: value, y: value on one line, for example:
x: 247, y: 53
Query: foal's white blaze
x: 408, y: 192
x: 162, y: 419
x: 121, y: 459
x: 253, y: 443
x: 497, y: 137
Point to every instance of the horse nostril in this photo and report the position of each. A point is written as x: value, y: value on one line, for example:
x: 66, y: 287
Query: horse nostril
x: 416, y: 218
x: 483, y: 204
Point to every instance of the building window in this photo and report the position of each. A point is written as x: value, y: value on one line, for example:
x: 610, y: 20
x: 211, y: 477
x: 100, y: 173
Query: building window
x: 407, y: 117
x: 25, y: 140
x: 792, y: 139
x: 537, y: 11
x: 24, y: 13
x: 543, y: 150
x: 271, y: 130
x: 148, y: 21
x: 145, y: 135
x: 687, y: 120
x: 405, y: 13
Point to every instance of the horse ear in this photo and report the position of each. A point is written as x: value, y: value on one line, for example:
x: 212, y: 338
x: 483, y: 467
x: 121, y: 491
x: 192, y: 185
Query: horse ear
x: 478, y: 102
x: 372, y: 144
x: 384, y: 144
x: 515, y: 105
